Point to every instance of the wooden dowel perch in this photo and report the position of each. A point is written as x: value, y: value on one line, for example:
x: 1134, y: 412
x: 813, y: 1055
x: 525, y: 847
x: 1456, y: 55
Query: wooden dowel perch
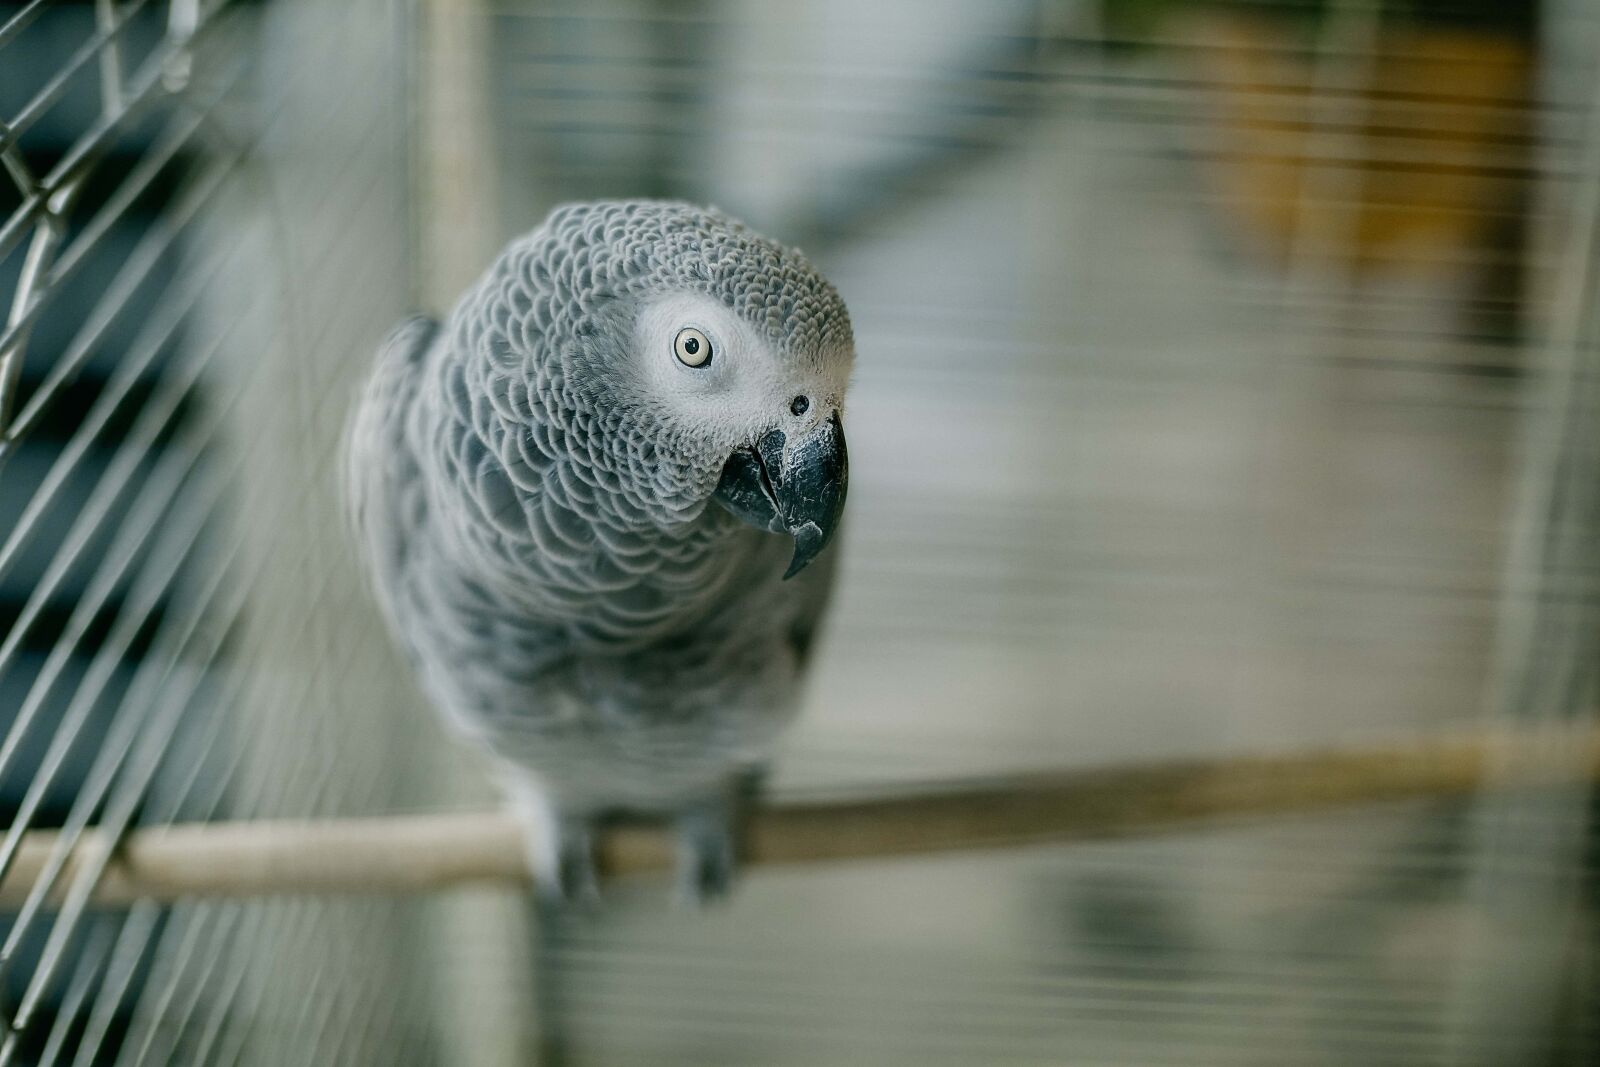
x: 404, y: 854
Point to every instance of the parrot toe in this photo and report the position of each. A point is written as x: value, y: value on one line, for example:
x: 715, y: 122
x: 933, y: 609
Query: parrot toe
x: 707, y: 857
x: 573, y: 877
x: 560, y: 844
x: 711, y: 839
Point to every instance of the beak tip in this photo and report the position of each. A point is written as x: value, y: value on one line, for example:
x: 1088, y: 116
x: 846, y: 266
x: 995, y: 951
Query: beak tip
x: 808, y: 542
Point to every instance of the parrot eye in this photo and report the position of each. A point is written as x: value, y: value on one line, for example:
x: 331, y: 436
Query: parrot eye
x: 691, y: 347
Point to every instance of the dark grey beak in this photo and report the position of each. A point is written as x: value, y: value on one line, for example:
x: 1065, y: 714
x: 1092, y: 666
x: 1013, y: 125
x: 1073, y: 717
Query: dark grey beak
x: 803, y: 498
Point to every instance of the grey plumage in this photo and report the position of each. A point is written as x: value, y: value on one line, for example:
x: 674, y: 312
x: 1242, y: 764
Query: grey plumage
x: 532, y: 485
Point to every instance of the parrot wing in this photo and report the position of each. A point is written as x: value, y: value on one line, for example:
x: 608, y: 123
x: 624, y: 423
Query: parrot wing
x: 383, y: 483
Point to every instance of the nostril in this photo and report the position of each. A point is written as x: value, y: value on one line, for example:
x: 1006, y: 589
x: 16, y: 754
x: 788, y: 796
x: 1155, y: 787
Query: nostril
x: 800, y: 405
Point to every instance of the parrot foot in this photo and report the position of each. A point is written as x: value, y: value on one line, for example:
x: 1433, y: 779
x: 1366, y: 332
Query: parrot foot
x: 709, y: 837
x: 574, y: 878
x: 560, y: 848
x: 707, y: 858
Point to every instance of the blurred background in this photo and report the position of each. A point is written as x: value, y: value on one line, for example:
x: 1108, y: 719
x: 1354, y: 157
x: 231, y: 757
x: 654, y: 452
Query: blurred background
x: 1227, y: 383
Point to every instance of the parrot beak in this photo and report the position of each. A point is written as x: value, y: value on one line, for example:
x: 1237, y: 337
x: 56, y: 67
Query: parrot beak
x: 802, y: 498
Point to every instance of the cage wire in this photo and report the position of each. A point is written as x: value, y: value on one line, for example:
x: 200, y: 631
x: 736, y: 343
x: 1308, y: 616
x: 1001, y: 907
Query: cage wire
x: 173, y: 643
x: 1227, y: 383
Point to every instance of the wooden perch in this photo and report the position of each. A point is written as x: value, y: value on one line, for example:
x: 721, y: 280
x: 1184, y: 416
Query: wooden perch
x: 408, y: 854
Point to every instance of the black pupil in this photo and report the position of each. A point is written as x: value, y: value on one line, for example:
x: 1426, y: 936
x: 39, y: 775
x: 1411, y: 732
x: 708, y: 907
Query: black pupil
x: 800, y: 405
x: 691, y: 345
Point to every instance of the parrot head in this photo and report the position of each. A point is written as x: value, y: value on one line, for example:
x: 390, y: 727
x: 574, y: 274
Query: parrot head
x: 769, y: 418
x: 729, y: 351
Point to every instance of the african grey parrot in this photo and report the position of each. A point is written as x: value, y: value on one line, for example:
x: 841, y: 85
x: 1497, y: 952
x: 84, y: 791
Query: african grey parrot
x: 567, y: 498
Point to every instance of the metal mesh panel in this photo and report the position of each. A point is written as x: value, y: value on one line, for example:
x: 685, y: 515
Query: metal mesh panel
x: 210, y: 224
